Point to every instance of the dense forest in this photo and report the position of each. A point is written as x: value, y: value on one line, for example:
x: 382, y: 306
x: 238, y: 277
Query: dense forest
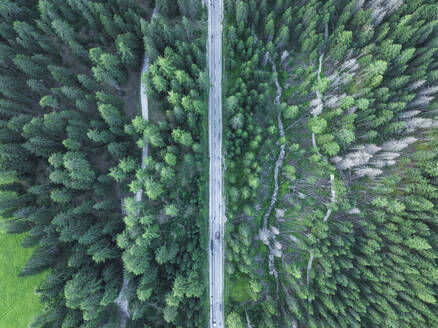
x: 69, y: 157
x: 331, y: 163
x: 330, y: 155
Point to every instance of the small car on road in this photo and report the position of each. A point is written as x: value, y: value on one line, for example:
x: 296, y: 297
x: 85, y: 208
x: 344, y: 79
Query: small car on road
x: 217, y: 235
x: 214, y: 322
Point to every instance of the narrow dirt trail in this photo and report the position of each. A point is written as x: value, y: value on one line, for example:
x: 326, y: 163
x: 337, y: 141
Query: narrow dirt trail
x: 121, y: 300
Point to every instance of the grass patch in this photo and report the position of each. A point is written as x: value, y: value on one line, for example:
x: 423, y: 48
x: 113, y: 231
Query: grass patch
x: 19, y: 303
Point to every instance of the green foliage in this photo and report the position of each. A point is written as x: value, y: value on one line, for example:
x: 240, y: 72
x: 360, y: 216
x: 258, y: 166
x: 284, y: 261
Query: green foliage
x: 171, y: 210
x: 317, y: 125
x: 290, y: 112
x: 350, y: 226
x: 182, y: 137
x: 65, y: 135
x: 242, y: 290
x: 234, y: 320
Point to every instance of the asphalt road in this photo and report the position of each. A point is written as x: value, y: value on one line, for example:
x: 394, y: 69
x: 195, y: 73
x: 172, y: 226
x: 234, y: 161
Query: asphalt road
x: 216, y: 199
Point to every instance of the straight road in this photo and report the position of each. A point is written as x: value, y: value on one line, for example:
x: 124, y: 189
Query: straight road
x: 216, y: 200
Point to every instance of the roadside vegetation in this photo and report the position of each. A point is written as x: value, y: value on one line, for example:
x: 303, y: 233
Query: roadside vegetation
x: 248, y: 116
x: 162, y: 245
